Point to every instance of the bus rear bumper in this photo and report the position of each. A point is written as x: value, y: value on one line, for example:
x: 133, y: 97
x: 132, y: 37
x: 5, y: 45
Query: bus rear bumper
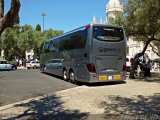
x: 93, y: 78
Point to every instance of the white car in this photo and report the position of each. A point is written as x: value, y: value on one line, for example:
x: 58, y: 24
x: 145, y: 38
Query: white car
x: 32, y: 64
x: 5, y: 65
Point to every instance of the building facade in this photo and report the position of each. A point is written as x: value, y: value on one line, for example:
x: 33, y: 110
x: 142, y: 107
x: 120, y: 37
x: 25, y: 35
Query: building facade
x: 112, y: 8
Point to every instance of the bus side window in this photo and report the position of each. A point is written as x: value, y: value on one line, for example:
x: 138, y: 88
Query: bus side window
x: 61, y: 46
x: 54, y: 46
x: 75, y: 40
x: 51, y: 46
x: 66, y: 42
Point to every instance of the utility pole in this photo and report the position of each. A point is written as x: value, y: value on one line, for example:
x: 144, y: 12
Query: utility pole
x: 43, y: 15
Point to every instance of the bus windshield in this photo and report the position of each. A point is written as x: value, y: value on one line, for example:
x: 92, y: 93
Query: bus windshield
x: 108, y: 33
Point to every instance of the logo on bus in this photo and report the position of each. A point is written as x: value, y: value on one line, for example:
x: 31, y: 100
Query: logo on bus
x: 100, y: 49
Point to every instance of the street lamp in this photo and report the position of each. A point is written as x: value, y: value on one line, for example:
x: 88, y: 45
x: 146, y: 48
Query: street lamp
x: 43, y: 15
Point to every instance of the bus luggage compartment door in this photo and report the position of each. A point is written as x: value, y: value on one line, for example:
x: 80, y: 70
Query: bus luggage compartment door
x: 110, y: 63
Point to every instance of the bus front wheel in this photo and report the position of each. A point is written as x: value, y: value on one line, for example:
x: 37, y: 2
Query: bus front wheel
x: 43, y: 68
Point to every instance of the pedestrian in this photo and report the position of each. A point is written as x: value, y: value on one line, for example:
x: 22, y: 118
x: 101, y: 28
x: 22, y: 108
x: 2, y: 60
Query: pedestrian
x: 20, y: 62
x: 17, y: 62
x: 147, y: 68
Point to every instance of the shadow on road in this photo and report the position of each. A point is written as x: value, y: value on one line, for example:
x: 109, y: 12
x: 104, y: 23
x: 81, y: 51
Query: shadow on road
x: 48, y: 108
x: 138, y: 108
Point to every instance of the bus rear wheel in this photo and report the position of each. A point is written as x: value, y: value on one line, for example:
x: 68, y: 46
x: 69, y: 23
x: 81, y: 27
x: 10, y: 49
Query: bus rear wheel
x: 65, y: 75
x: 72, y: 77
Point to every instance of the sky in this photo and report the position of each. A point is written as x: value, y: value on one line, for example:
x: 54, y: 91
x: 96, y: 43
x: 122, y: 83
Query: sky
x: 63, y: 15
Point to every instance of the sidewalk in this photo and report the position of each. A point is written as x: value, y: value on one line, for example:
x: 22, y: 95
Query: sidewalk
x: 137, y: 99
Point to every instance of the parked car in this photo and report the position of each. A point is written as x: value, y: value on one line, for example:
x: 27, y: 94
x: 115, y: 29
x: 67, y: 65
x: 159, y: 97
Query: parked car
x: 32, y: 64
x: 5, y: 65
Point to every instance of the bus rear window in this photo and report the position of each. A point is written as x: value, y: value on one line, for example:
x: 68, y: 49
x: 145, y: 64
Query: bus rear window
x: 108, y: 33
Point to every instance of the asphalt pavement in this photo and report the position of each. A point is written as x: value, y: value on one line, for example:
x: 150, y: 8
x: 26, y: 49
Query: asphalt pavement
x: 23, y: 84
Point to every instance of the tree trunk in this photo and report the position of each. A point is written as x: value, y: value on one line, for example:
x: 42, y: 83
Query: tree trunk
x: 11, y: 16
x: 134, y: 65
x: 1, y: 9
x: 134, y: 62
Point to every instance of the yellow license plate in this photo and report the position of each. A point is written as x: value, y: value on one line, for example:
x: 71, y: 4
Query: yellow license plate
x: 116, y: 77
x: 103, y: 77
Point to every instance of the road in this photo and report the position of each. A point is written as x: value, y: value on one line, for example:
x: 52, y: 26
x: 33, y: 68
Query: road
x: 24, y: 84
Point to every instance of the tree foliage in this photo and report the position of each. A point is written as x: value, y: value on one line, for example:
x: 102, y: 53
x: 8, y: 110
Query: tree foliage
x: 117, y: 20
x: 143, y: 19
x: 17, y: 40
x: 38, y: 27
x: 9, y: 43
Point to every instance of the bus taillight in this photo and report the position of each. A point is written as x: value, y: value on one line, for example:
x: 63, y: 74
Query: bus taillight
x: 87, y: 26
x: 124, y: 68
x: 91, y: 68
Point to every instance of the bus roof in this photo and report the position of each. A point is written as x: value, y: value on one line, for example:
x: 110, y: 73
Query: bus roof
x: 82, y: 28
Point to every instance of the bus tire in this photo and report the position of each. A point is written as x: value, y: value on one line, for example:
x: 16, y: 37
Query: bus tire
x: 64, y: 73
x: 72, y: 77
x: 43, y: 68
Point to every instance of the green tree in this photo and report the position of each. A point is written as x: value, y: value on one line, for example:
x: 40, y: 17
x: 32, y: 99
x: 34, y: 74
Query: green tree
x: 38, y: 27
x: 17, y: 40
x: 17, y: 21
x: 9, y: 43
x: 118, y: 20
x: 47, y: 34
x: 142, y: 22
x: 26, y: 39
x: 30, y: 39
x: 39, y: 38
